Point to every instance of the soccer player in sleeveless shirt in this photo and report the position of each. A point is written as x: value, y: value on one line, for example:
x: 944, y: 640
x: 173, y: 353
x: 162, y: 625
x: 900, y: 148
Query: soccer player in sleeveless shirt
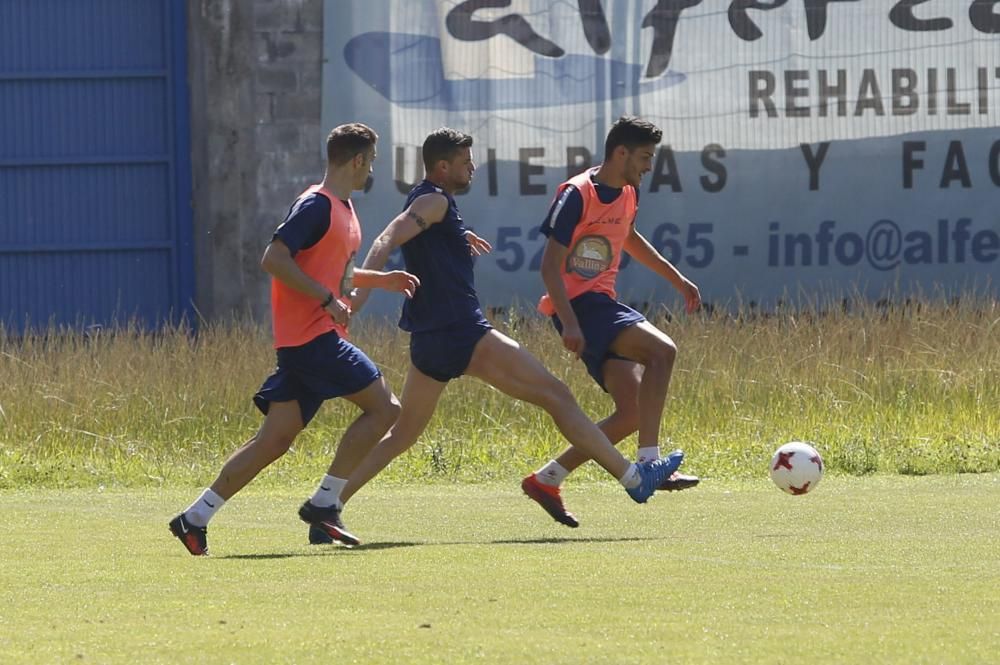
x: 311, y: 262
x: 589, y: 224
x: 449, y: 336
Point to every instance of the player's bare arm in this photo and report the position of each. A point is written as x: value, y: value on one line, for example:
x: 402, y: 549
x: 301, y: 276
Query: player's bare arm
x: 417, y: 218
x: 278, y: 262
x: 553, y: 258
x: 477, y: 245
x: 399, y: 281
x: 639, y: 248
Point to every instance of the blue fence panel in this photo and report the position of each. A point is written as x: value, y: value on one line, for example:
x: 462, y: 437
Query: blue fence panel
x: 117, y: 285
x: 95, y: 218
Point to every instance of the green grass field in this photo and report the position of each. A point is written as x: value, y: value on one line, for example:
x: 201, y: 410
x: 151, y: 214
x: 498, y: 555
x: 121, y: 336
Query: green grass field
x: 894, y: 559
x: 865, y: 570
x: 913, y: 390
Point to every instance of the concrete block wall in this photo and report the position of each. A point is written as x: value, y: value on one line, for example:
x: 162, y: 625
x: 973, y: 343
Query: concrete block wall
x: 255, y: 71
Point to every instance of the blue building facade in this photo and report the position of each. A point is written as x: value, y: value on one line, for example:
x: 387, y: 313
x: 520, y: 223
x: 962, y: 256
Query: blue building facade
x: 95, y: 173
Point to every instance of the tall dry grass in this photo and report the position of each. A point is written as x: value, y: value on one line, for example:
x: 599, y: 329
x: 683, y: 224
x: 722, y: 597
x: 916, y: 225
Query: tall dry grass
x: 912, y: 389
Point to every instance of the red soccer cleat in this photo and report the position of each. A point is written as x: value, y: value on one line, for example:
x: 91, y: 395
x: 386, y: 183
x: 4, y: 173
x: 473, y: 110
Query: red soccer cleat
x: 548, y: 498
x: 194, y: 538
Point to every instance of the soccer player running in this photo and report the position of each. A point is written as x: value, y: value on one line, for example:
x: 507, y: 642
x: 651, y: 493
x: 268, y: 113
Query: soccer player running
x: 449, y: 336
x: 311, y: 262
x: 590, y: 222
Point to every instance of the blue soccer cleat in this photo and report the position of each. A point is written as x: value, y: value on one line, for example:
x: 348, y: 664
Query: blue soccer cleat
x: 654, y: 474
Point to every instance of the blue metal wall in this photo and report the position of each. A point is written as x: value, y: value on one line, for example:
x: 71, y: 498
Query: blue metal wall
x: 95, y: 216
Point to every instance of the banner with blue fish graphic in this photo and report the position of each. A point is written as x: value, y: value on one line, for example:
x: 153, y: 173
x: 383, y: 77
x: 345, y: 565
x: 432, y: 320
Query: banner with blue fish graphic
x: 812, y: 149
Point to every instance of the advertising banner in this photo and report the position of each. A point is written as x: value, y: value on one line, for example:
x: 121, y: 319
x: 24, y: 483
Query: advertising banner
x: 812, y: 149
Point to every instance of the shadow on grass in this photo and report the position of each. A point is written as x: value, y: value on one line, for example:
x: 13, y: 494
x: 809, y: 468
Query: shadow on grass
x: 562, y: 541
x: 265, y: 557
x: 325, y: 550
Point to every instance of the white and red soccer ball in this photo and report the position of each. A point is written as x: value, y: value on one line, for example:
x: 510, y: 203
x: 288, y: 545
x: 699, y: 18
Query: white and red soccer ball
x: 796, y: 468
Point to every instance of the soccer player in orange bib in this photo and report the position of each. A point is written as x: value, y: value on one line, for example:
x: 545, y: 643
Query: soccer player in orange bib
x: 589, y: 224
x: 311, y: 262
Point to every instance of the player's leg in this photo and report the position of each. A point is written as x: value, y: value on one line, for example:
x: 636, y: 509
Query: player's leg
x: 281, y: 425
x: 656, y: 352
x: 431, y: 355
x: 379, y: 409
x: 504, y: 364
x: 419, y: 400
x: 602, y: 319
x: 621, y: 379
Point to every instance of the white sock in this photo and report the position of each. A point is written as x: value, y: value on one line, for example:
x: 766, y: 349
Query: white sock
x: 328, y: 493
x: 204, y: 508
x: 552, y: 474
x: 631, y: 478
x: 648, y: 454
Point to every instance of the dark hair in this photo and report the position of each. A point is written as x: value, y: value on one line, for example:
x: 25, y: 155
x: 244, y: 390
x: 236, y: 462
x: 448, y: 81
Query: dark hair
x: 443, y: 143
x: 346, y: 141
x: 631, y: 132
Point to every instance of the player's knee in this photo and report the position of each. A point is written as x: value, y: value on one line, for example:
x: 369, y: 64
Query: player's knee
x: 392, y: 411
x: 663, y: 356
x: 276, y: 445
x: 557, y: 396
x: 387, y: 412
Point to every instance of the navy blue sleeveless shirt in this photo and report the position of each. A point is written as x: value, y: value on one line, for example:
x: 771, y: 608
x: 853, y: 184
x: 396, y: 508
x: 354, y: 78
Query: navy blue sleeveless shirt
x: 441, y: 257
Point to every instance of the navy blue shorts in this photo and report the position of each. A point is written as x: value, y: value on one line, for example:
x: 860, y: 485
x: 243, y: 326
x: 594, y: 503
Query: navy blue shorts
x: 321, y: 369
x: 445, y: 353
x: 601, y: 320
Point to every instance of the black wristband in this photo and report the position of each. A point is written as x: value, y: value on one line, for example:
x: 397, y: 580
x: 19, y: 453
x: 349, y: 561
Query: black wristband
x: 329, y: 299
